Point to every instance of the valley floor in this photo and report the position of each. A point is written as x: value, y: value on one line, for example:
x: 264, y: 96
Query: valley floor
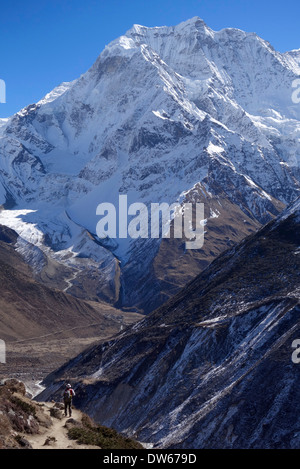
x: 30, y: 360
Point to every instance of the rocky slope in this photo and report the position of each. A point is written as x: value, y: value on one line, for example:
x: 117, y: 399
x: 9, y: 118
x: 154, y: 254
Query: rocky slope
x: 212, y: 368
x: 164, y: 115
x: 24, y: 424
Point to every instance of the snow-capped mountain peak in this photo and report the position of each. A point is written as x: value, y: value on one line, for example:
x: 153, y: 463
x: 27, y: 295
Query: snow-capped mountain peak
x: 164, y: 111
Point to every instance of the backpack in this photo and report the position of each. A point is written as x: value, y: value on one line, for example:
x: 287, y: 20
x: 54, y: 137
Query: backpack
x: 68, y: 395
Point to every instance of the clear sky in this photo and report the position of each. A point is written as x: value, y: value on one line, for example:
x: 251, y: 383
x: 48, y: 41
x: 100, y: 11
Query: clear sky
x: 45, y: 42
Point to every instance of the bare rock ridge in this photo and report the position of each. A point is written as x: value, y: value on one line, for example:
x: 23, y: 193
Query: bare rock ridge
x: 212, y: 367
x: 165, y: 114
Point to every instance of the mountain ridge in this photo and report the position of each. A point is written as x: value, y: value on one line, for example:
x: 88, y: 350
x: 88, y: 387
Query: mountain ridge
x: 171, y: 113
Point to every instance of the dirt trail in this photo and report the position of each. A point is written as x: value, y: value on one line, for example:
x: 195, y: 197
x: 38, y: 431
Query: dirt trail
x: 56, y: 434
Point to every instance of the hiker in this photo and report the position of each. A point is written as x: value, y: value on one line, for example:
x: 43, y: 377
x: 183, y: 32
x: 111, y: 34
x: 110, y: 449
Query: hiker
x: 69, y: 393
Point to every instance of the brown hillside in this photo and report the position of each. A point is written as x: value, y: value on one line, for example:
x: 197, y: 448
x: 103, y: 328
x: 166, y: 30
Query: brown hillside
x: 42, y: 327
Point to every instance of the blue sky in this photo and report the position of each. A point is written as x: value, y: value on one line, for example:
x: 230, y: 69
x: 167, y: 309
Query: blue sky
x: 46, y: 42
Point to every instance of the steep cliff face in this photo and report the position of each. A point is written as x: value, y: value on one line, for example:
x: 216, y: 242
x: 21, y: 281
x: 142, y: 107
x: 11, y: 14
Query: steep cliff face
x: 164, y: 114
x: 212, y: 368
